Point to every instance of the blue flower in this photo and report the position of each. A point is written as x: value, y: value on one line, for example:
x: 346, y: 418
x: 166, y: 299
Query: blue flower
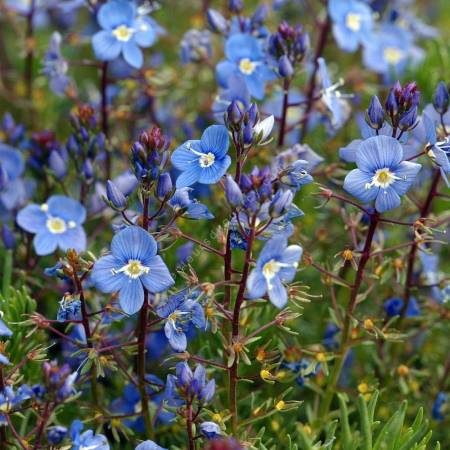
x: 69, y: 308
x: 56, y: 223
x: 204, y: 161
x: 352, y: 23
x: 382, y: 175
x: 149, y: 445
x: 123, y: 32
x: 132, y: 265
x: 4, y: 330
x: 210, y: 429
x: 55, y: 66
x: 440, y: 406
x: 9, y: 399
x: 302, y: 369
x: 86, y: 440
x: 180, y: 310
x: 182, y: 204
x: 245, y: 57
x: 195, y: 46
x: 393, y: 307
x: 389, y: 50
x: 276, y: 263
x: 56, y: 434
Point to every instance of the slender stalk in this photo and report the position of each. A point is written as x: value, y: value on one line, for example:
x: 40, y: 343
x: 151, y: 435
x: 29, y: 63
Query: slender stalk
x: 28, y: 68
x: 189, y: 426
x: 286, y: 84
x: 104, y: 113
x: 233, y: 372
x: 142, y: 332
x: 324, y: 30
x: 424, y: 211
x: 40, y: 430
x: 346, y: 331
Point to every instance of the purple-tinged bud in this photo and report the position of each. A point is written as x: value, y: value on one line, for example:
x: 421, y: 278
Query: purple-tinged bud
x: 441, y: 98
x: 235, y: 6
x: 285, y: 68
x: 216, y: 21
x: 391, y: 104
x: 233, y: 192
x: 8, y: 238
x: 234, y: 113
x: 100, y: 140
x: 247, y: 134
x: 164, y: 186
x: 57, y: 164
x: 115, y: 196
x: 265, y: 191
x: 72, y: 145
x: 84, y: 134
x: 246, y: 182
x: 8, y: 122
x: 375, y: 114
x: 87, y: 169
x: 280, y: 203
x: 408, y: 120
x: 253, y: 114
x: 260, y: 15
x: 251, y: 202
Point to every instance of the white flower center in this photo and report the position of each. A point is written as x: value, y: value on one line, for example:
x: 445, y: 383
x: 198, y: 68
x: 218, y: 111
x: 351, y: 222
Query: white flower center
x: 353, y: 21
x: 56, y: 225
x: 134, y: 269
x: 382, y: 178
x: 271, y: 268
x: 392, y: 55
x: 123, y: 33
x: 207, y: 160
x: 246, y: 66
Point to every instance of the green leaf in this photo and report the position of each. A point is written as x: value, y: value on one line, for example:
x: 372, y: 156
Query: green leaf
x: 366, y: 428
x: 346, y: 436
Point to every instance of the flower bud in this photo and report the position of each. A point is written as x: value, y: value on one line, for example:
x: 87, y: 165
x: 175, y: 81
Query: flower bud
x: 235, y: 6
x: 408, y: 120
x: 164, y: 186
x: 233, y: 192
x: 252, y: 114
x: 57, y: 164
x: 248, y: 134
x: 9, y: 240
x: 391, y: 103
x: 375, y: 114
x: 115, y: 196
x: 285, y: 68
x: 87, y: 169
x: 259, y: 16
x: 234, y: 113
x: 441, y: 98
x: 216, y: 21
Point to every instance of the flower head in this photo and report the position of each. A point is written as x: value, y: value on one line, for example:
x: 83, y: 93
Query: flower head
x: 149, y: 445
x: 182, y: 204
x: 123, y: 31
x: 87, y: 440
x: 56, y: 223
x: 180, y: 310
x: 204, y: 161
x: 352, y: 23
x: 276, y: 263
x: 394, y: 306
x: 55, y: 66
x: 382, y: 175
x: 245, y: 58
x: 132, y: 266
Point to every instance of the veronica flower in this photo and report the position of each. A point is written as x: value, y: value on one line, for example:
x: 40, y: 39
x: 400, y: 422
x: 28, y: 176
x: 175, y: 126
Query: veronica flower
x: 276, y: 263
x: 180, y: 310
x: 204, y: 161
x: 123, y: 32
x: 390, y: 49
x: 440, y: 406
x: 352, y: 23
x: 56, y: 434
x: 56, y: 223
x: 382, y: 175
x: 182, y: 204
x: 245, y: 57
x: 195, y: 46
x: 12, y: 189
x: 4, y: 330
x: 55, y: 66
x: 210, y: 429
x: 87, y: 440
x: 132, y: 266
x: 333, y: 99
x: 9, y: 399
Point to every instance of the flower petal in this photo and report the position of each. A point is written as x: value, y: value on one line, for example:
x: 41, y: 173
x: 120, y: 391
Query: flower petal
x: 145, y: 36
x: 240, y: 46
x: 133, y: 243
x: 379, y: 152
x: 106, y: 46
x: 131, y: 295
x: 215, y: 139
x: 73, y: 238
x: 277, y: 293
x: 158, y: 279
x: 182, y: 156
x: 225, y: 72
x: 177, y: 338
x: 213, y: 173
x: 256, y: 285
x: 133, y: 54
x: 387, y: 199
x: 115, y: 13
x: 291, y: 256
x: 407, y: 171
x: 355, y: 183
x: 188, y: 177
x: 103, y: 277
x: 32, y: 218
x: 45, y: 243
